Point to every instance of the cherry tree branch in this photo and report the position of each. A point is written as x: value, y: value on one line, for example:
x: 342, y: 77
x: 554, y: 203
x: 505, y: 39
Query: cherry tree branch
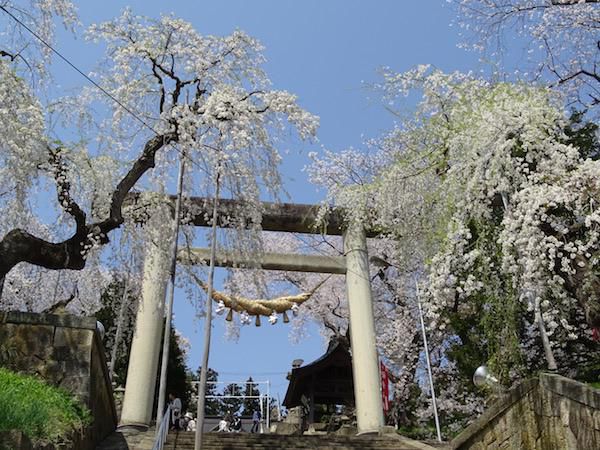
x: 145, y: 162
x: 63, y: 187
x: 578, y: 73
x: 4, y: 53
x: 571, y: 2
x: 159, y: 80
x: 19, y: 246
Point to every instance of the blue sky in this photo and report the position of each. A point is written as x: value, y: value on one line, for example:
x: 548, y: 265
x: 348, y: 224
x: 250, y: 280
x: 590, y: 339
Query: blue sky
x: 327, y: 52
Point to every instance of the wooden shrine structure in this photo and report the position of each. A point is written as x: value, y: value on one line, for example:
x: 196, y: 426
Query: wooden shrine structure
x: 325, y: 381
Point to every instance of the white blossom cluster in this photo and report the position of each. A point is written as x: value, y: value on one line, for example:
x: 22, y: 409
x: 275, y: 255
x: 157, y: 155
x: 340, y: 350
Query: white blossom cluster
x: 213, y: 95
x: 482, y: 192
x: 41, y: 16
x: 22, y: 135
x: 551, y: 237
x: 559, y: 38
x: 34, y: 289
x: 509, y: 158
x: 207, y: 96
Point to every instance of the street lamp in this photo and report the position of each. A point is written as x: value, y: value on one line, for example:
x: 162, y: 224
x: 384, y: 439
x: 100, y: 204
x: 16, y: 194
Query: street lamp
x: 483, y: 377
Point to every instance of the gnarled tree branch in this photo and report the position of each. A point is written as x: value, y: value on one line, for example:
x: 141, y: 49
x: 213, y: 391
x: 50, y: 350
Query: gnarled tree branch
x: 19, y: 246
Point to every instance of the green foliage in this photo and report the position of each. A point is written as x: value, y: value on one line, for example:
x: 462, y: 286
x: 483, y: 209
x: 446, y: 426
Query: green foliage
x: 589, y: 373
x: 177, y: 380
x: 249, y: 405
x: 221, y: 406
x: 490, y: 326
x: 112, y: 298
x: 583, y: 135
x: 177, y: 376
x: 232, y: 405
x: 212, y: 406
x: 42, y: 412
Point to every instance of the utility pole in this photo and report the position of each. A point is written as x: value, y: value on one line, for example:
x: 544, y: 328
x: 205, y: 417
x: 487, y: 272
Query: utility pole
x: 167, y: 333
x: 208, y: 321
x: 433, y: 401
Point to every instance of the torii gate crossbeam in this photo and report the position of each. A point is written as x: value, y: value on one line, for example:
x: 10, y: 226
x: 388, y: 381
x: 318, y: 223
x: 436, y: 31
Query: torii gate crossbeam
x: 268, y: 261
x: 286, y: 217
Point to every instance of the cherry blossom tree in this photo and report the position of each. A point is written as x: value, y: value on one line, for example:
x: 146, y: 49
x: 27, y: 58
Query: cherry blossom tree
x: 23, y: 154
x: 167, y: 91
x: 40, y: 17
x: 560, y: 38
x: 490, y: 195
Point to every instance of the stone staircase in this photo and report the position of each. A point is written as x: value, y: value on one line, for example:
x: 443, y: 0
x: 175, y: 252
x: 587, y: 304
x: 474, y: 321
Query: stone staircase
x: 247, y: 441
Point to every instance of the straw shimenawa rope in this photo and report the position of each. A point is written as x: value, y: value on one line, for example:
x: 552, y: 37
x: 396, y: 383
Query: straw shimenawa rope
x: 262, y: 307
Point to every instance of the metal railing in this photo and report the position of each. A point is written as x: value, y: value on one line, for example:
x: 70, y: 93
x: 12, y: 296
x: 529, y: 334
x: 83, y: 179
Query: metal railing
x: 265, y: 410
x: 163, y: 430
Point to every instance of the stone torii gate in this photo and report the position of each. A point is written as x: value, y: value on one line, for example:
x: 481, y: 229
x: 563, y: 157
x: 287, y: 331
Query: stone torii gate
x: 283, y: 217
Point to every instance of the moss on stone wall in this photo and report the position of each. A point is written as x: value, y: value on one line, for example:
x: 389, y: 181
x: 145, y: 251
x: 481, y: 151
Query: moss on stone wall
x: 40, y: 411
x: 66, y: 352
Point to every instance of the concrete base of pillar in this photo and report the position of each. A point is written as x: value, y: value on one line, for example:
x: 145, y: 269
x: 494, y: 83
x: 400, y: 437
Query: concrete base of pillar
x: 369, y: 433
x: 132, y: 427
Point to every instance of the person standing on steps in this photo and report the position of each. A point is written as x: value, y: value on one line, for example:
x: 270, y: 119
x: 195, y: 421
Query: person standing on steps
x: 223, y: 426
x: 176, y: 407
x: 255, y: 421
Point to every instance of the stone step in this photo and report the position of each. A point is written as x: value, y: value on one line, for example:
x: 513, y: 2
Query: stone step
x: 247, y: 441
x: 244, y: 441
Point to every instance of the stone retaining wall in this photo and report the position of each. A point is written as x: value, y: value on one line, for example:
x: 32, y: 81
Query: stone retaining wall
x: 66, y: 351
x: 549, y: 413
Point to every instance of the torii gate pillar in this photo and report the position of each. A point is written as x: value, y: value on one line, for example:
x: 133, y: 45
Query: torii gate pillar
x: 147, y: 338
x: 143, y: 363
x: 365, y: 360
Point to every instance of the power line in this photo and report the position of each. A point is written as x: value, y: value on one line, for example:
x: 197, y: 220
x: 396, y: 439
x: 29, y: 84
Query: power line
x: 74, y: 67
x: 95, y: 84
x: 126, y: 108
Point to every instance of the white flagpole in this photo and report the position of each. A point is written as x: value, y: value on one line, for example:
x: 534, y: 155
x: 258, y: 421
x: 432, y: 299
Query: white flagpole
x: 162, y: 390
x: 433, y: 402
x: 208, y: 320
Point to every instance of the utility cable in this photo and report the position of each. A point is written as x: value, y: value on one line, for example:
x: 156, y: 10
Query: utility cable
x: 97, y: 85
x: 122, y: 105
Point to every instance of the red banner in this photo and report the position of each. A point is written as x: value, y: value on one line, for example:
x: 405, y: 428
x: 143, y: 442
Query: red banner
x: 385, y: 391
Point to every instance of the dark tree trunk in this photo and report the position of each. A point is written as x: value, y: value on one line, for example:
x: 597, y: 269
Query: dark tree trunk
x: 19, y: 246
